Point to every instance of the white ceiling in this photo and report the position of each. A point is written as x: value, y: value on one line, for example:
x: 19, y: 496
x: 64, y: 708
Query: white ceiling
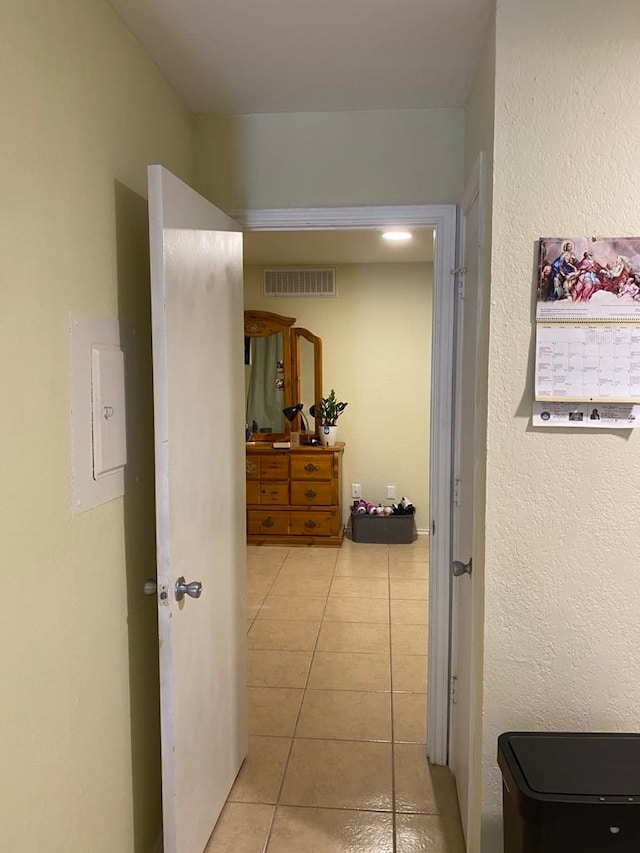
x: 334, y: 247
x: 268, y: 56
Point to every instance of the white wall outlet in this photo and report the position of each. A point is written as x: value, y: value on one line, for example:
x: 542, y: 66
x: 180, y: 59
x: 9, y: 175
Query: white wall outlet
x: 355, y: 490
x: 391, y: 493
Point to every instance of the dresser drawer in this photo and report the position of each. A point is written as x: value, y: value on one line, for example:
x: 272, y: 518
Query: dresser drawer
x: 311, y: 494
x: 274, y: 467
x: 274, y: 493
x: 253, y: 491
x: 293, y: 496
x: 253, y: 467
x: 310, y: 523
x: 268, y: 523
x: 311, y: 467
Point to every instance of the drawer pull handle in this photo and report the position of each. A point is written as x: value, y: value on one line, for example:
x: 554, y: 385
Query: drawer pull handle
x: 310, y: 493
x: 268, y: 522
x: 310, y: 468
x: 310, y: 523
x: 251, y: 467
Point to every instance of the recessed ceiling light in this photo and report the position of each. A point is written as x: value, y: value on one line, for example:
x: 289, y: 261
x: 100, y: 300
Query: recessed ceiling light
x: 398, y: 236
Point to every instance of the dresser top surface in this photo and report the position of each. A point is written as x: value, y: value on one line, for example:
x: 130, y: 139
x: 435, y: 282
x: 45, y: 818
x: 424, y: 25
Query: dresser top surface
x: 265, y: 447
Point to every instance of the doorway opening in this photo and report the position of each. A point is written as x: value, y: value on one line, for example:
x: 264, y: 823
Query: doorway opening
x: 328, y: 715
x: 442, y: 219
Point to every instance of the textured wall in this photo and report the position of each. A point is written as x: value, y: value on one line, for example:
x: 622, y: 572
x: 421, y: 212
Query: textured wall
x: 376, y: 339
x: 331, y: 159
x: 562, y: 593
x: 84, y: 111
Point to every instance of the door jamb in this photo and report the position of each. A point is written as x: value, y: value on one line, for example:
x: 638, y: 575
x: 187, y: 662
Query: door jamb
x: 443, y: 218
x: 476, y: 188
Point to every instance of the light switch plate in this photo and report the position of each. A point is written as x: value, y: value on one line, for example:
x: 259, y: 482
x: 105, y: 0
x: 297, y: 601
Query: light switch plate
x: 97, y: 364
x: 108, y: 422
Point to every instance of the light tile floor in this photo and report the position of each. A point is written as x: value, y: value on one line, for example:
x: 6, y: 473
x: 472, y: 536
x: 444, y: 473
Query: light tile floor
x: 337, y: 680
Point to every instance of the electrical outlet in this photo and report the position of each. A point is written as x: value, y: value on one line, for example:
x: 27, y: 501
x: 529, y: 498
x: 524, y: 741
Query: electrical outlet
x: 355, y: 490
x: 391, y: 493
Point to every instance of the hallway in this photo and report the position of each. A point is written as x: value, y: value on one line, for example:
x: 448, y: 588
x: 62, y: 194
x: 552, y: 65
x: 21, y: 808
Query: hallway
x: 337, y: 708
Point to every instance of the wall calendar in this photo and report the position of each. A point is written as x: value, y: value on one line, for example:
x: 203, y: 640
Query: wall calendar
x: 588, y: 332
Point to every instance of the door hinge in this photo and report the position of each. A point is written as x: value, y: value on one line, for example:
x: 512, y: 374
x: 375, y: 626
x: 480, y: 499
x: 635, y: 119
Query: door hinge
x: 459, y: 272
x: 456, y: 492
x: 433, y: 527
x: 452, y: 687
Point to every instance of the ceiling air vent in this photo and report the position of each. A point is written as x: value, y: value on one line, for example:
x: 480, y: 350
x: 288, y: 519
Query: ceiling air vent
x: 298, y: 281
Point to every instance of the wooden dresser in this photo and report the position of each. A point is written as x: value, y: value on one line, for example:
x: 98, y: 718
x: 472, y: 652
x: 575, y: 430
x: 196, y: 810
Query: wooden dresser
x: 294, y: 495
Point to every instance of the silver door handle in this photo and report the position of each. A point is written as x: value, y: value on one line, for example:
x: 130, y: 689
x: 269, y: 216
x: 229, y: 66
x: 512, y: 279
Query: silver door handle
x: 459, y: 568
x: 150, y: 587
x: 193, y: 589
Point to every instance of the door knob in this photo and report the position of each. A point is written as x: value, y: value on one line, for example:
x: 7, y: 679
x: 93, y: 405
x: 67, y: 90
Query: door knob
x: 193, y: 589
x: 459, y: 568
x: 150, y: 586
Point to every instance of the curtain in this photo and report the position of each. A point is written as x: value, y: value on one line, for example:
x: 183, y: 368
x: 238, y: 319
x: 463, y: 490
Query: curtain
x: 265, y: 399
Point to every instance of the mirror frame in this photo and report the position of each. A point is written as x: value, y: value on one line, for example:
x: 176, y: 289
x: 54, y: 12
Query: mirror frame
x: 297, y: 333
x: 261, y: 324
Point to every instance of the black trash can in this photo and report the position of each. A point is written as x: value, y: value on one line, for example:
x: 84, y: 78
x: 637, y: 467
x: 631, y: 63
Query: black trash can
x: 566, y: 792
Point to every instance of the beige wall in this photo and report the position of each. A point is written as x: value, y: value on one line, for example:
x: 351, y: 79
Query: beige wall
x: 376, y: 338
x: 331, y: 159
x: 562, y: 599
x: 84, y: 111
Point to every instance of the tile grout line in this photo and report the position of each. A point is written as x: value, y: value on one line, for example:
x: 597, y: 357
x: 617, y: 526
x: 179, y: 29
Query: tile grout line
x: 393, y: 734
x: 264, y: 598
x: 333, y: 740
x: 295, y: 725
x: 275, y: 807
x: 268, y: 592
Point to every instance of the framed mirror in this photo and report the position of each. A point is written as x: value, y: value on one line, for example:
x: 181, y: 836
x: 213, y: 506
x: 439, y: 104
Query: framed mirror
x: 307, y: 374
x: 268, y: 374
x: 283, y: 367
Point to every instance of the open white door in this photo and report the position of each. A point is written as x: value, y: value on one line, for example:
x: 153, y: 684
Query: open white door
x: 198, y: 381
x: 469, y: 299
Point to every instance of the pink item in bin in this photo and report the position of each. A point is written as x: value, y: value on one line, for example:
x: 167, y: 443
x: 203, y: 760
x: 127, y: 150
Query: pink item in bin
x: 364, y: 508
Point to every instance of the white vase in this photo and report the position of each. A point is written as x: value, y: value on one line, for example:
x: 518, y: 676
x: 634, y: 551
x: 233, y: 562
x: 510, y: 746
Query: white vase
x: 328, y: 435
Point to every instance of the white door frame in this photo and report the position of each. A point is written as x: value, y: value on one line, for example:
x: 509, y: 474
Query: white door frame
x: 476, y: 188
x: 443, y: 219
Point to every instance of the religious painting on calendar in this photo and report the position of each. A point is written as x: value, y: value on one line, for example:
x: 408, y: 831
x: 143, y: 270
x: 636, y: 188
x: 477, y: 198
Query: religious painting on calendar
x: 589, y: 278
x: 588, y: 322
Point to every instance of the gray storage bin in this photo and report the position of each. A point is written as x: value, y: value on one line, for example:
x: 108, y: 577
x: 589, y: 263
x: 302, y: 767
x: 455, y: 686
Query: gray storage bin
x: 384, y: 529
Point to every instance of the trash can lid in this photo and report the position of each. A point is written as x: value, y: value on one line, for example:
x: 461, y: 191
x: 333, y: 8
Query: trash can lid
x: 578, y: 764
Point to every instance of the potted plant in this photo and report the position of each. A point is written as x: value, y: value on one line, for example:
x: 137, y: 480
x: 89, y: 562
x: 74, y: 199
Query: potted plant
x: 328, y: 410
